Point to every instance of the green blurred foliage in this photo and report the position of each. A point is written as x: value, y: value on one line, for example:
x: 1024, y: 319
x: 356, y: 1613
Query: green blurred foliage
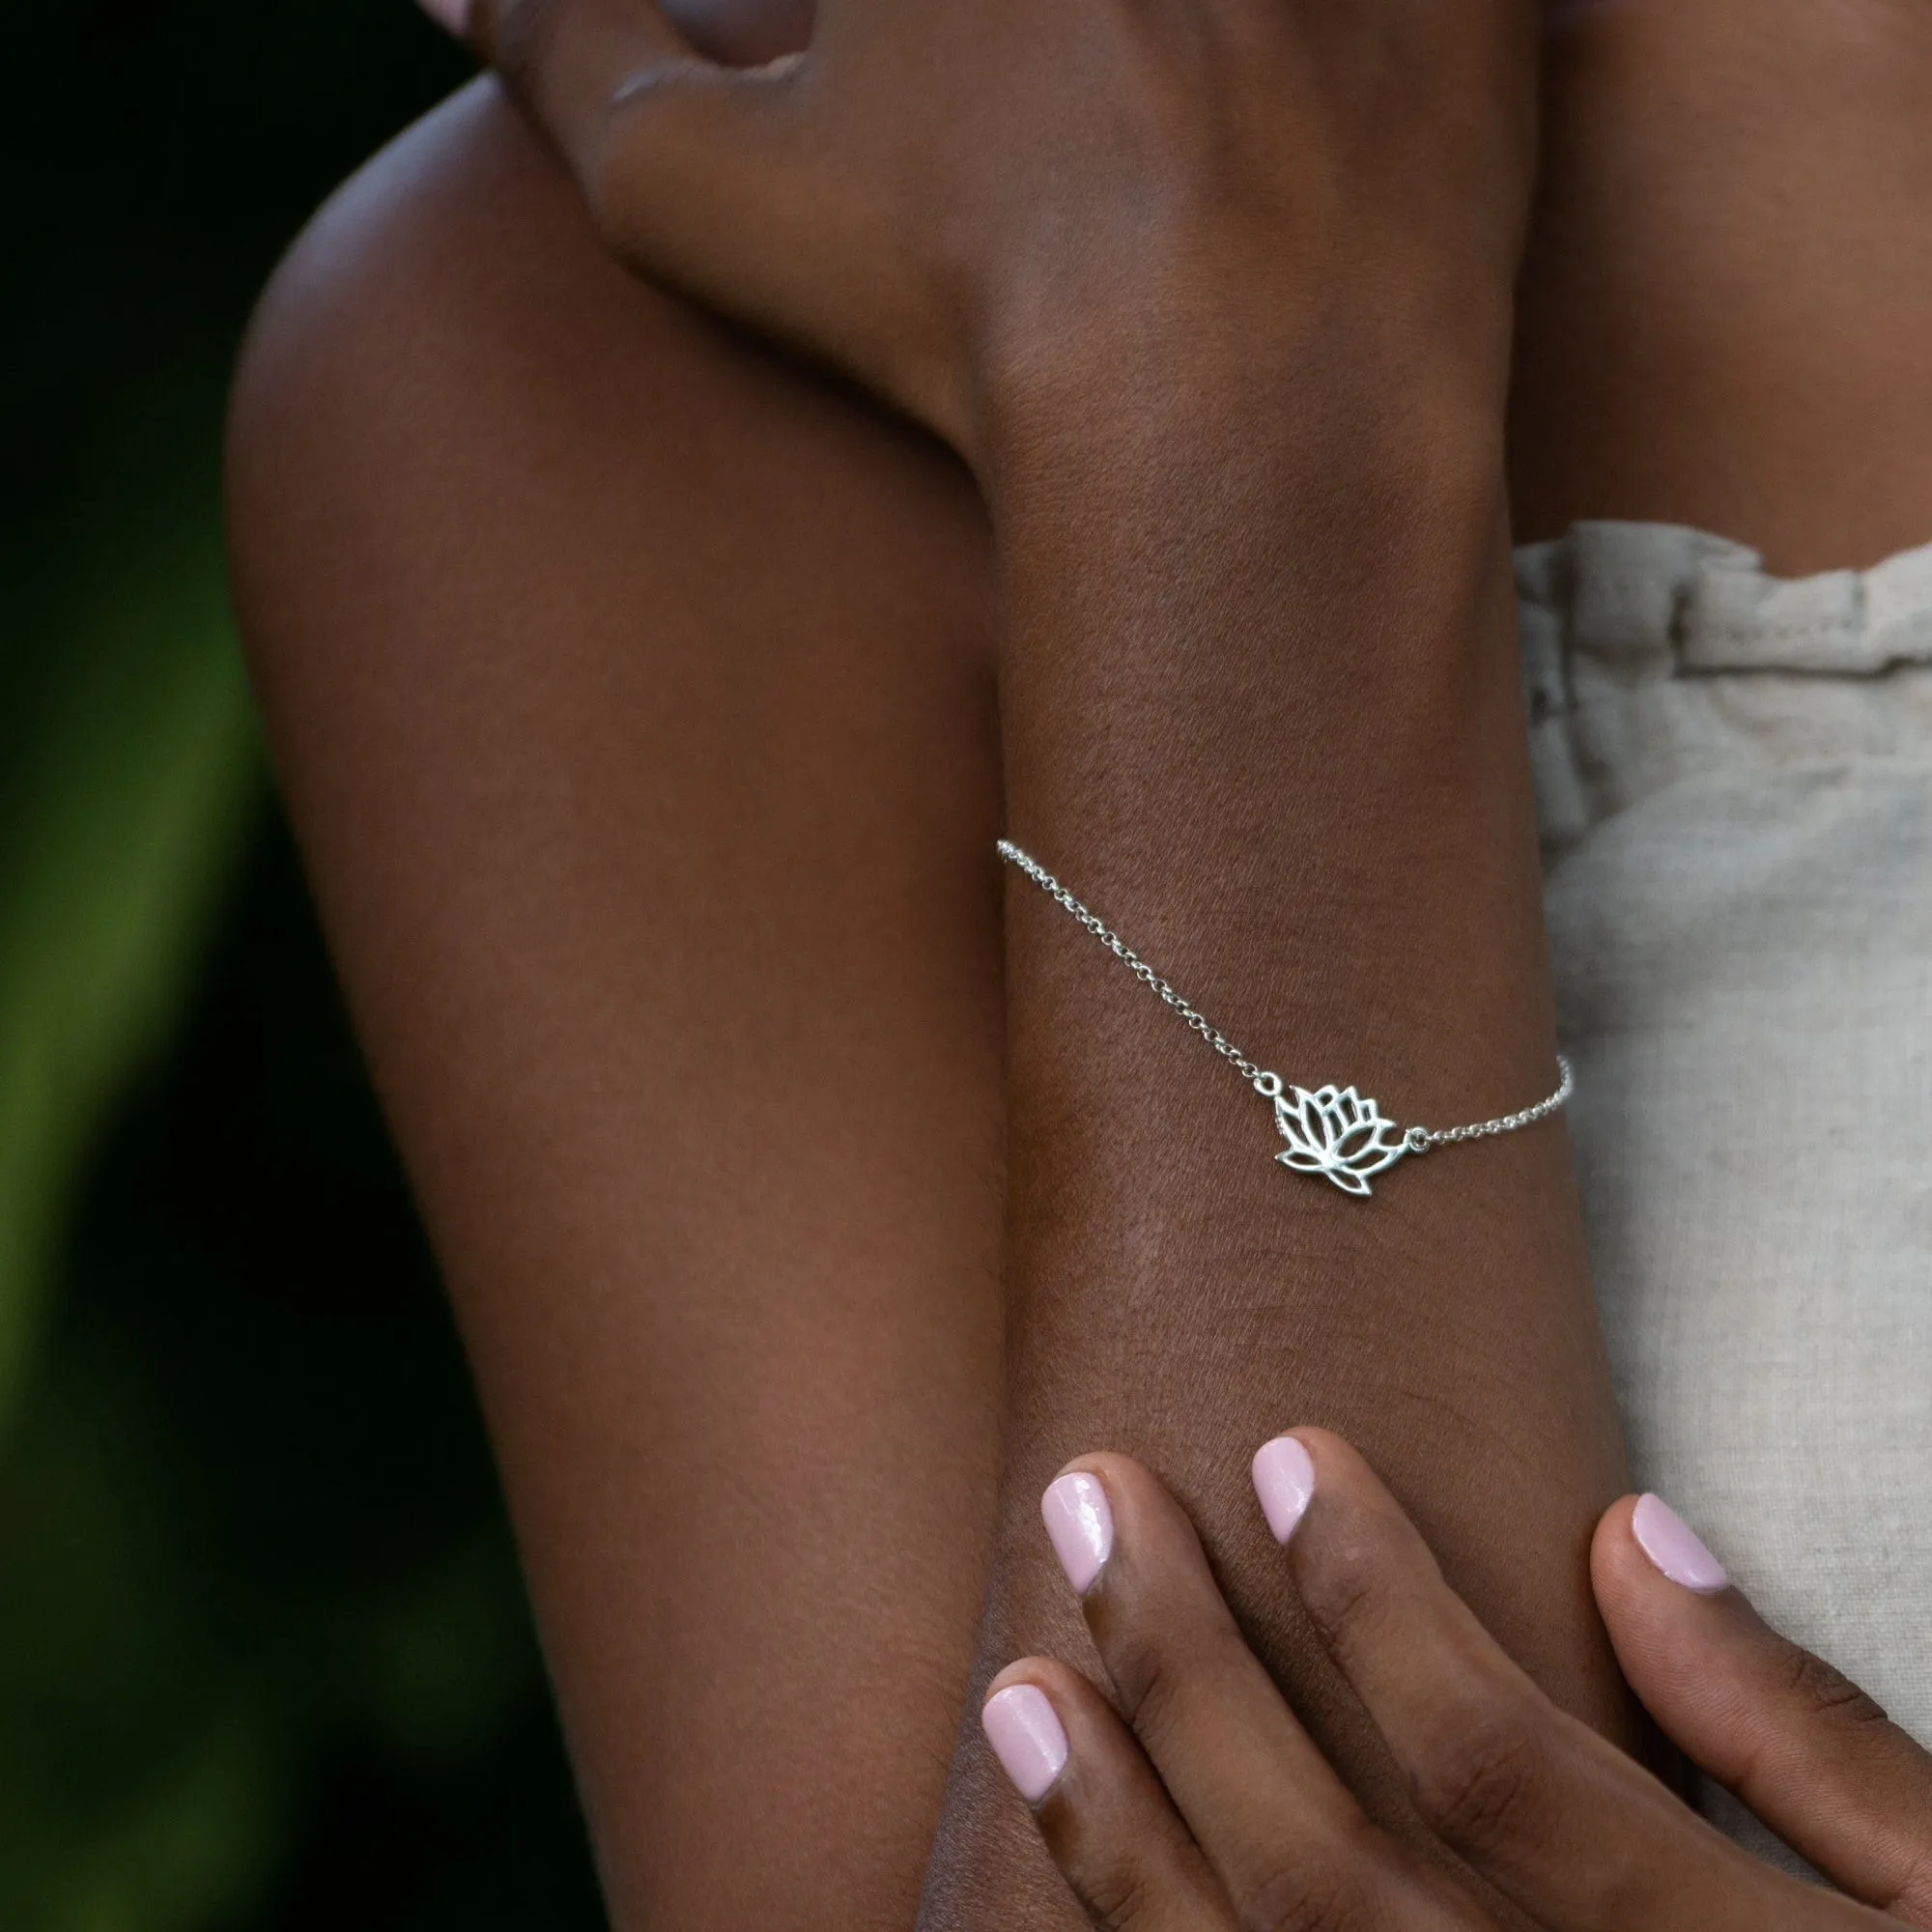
x: 264, y: 1655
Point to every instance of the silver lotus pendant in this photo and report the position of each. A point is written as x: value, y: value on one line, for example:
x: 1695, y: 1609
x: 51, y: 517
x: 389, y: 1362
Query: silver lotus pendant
x: 1335, y: 1132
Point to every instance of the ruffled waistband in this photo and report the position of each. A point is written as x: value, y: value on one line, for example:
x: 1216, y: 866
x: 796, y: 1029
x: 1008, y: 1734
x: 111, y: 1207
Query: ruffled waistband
x: 1644, y: 590
x: 1653, y: 655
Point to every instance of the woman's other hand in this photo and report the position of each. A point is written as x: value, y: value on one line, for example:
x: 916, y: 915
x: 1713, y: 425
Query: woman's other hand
x: 1204, y: 1804
x: 995, y: 213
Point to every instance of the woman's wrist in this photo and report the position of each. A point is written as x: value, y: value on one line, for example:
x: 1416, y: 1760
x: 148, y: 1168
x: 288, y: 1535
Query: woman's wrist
x: 1253, y: 656
x: 1266, y: 564
x: 1341, y: 421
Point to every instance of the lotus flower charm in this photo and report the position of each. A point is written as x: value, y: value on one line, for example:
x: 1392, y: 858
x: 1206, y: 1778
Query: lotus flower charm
x: 1333, y: 1131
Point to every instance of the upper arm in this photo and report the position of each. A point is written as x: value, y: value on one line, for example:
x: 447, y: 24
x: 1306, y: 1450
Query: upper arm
x: 632, y: 699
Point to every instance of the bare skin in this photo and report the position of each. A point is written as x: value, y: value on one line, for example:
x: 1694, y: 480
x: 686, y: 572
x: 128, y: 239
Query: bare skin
x: 651, y: 804
x: 592, y: 641
x: 1726, y: 297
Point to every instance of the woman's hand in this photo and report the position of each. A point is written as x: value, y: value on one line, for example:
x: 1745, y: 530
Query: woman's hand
x: 1209, y: 1807
x: 991, y: 210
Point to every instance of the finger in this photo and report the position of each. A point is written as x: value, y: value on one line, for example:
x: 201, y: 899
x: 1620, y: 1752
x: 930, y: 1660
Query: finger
x: 1798, y: 1743
x: 1286, y: 1840
x: 694, y: 172
x: 1112, y: 1831
x: 1574, y: 1832
x: 743, y: 33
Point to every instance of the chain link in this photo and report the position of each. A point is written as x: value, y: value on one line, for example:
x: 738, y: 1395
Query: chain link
x: 1419, y: 1139
x: 1508, y: 1124
x: 1130, y: 959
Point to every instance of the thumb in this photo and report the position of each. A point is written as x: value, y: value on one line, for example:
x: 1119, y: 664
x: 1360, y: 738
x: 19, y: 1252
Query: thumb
x: 1798, y: 1741
x: 697, y: 173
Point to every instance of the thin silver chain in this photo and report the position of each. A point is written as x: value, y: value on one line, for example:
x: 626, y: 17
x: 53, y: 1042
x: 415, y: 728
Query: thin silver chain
x: 1419, y: 1138
x: 1130, y: 959
x: 1508, y: 1124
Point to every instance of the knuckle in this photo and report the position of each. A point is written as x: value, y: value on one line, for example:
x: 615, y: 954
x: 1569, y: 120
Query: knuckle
x: 1912, y: 1892
x: 1483, y: 1782
x: 605, y: 167
x: 522, y: 35
x: 1118, y: 1898
x: 1347, y: 1599
x: 614, y: 151
x: 1824, y: 1691
x: 1163, y: 1674
x: 1152, y: 1683
x: 1318, y: 1892
x: 599, y: 134
x: 1127, y: 1872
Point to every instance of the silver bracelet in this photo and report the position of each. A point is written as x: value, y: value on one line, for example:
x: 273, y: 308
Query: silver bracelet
x: 1333, y: 1131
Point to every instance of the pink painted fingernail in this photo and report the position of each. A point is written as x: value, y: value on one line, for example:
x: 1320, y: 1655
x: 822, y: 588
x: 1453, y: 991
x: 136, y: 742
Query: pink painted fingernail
x: 451, y: 15
x: 1675, y: 1547
x: 1081, y: 1526
x: 1025, y: 1737
x: 1285, y: 1481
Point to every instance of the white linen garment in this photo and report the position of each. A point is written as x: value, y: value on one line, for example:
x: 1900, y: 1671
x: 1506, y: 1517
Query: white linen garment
x: 1734, y: 778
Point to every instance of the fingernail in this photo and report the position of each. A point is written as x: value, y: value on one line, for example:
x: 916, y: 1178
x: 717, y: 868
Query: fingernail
x: 1025, y: 1737
x: 1080, y: 1525
x: 451, y: 15
x: 1675, y: 1547
x: 1285, y: 1481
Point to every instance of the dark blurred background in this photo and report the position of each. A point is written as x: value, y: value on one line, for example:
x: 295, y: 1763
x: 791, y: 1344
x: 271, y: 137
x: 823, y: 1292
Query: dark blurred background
x: 264, y: 1655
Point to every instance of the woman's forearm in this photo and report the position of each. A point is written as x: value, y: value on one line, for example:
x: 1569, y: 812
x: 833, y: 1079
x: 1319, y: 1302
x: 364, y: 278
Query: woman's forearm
x: 1261, y: 713
x: 1216, y: 305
